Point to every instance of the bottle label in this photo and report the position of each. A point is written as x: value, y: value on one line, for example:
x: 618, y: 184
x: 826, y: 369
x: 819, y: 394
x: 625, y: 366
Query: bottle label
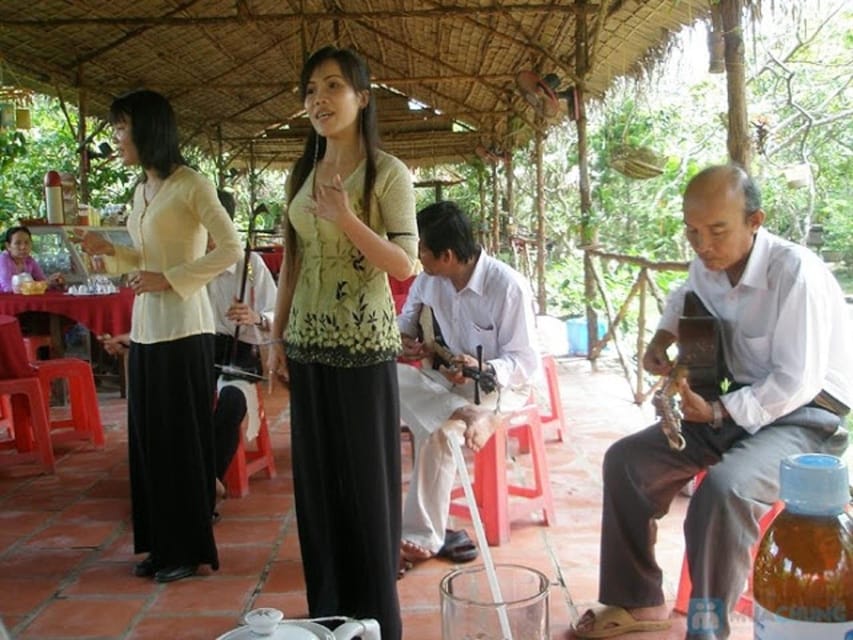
x: 818, y: 625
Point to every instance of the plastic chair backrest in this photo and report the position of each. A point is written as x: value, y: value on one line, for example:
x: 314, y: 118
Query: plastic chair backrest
x: 13, y: 354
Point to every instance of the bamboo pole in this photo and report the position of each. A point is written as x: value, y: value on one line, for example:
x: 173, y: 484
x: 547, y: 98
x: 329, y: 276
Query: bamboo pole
x: 481, y: 228
x: 82, y: 105
x: 496, y: 216
x: 641, y: 334
x: 542, y: 294
x: 510, y: 183
x: 740, y: 151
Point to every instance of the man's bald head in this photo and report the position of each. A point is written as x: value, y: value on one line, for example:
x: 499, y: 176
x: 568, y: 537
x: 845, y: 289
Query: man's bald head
x: 727, y: 179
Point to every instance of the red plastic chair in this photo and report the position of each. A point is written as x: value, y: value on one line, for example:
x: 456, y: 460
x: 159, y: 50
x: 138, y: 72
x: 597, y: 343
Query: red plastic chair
x: 492, y: 490
x: 247, y: 463
x: 85, y: 421
x: 24, y: 411
x: 34, y: 343
x: 744, y: 602
x: 555, y: 413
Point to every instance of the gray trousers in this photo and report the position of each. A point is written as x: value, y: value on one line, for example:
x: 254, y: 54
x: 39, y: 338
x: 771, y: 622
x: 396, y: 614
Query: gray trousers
x: 642, y: 475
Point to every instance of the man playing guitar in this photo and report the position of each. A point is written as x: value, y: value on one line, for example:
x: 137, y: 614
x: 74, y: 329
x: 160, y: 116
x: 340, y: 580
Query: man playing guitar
x: 788, y: 346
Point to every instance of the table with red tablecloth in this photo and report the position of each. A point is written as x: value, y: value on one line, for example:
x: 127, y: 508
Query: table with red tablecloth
x: 100, y: 314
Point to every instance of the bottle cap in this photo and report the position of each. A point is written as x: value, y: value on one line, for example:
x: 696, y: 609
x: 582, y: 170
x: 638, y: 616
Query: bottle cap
x: 814, y: 484
x: 52, y: 179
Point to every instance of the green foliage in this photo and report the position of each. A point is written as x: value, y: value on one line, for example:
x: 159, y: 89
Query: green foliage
x: 50, y: 145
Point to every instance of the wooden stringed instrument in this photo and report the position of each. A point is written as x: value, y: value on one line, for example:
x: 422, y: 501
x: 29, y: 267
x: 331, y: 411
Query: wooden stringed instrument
x: 700, y: 361
x: 430, y: 334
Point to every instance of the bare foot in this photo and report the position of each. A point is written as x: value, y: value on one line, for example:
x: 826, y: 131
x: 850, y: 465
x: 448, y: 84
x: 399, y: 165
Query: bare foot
x: 480, y: 424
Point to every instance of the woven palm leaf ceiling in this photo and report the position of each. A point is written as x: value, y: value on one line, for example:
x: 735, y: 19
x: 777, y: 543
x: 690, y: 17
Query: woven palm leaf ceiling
x: 444, y: 72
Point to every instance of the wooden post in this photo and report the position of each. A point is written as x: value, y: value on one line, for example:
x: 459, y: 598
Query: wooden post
x: 81, y: 138
x: 482, y: 227
x: 641, y: 335
x: 739, y: 148
x: 542, y: 296
x: 220, y: 164
x: 496, y: 213
x: 589, y: 234
x: 253, y: 178
x: 510, y: 203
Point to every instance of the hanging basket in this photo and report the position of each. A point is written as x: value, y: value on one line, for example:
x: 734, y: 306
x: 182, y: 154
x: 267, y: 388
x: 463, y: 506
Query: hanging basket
x: 639, y: 163
x: 798, y: 175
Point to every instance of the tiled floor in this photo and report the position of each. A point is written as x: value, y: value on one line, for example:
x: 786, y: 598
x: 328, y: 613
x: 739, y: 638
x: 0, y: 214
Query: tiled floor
x: 65, y: 546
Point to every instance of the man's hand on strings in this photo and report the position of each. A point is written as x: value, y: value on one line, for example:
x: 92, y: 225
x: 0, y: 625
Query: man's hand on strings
x: 694, y: 407
x: 413, y: 348
x: 454, y: 373
x: 655, y: 360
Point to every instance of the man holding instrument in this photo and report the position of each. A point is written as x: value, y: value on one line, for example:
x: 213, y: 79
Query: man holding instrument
x: 478, y: 304
x: 788, y: 350
x: 253, y: 316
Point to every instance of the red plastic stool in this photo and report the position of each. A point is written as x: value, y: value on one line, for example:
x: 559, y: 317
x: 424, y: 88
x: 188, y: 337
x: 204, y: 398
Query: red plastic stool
x: 6, y: 424
x: 85, y: 422
x: 246, y: 463
x: 491, y: 487
x: 744, y: 602
x: 34, y: 343
x: 25, y: 413
x: 555, y: 404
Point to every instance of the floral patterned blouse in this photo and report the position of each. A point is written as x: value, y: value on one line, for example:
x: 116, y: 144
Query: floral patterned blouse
x: 342, y: 312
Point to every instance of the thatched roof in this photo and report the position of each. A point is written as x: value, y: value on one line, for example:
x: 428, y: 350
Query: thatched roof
x: 230, y: 68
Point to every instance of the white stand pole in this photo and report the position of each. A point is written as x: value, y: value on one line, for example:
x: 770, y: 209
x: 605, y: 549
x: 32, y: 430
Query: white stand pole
x: 455, y: 439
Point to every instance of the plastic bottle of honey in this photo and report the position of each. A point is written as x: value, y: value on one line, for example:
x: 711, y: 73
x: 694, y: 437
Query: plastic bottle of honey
x: 803, y: 572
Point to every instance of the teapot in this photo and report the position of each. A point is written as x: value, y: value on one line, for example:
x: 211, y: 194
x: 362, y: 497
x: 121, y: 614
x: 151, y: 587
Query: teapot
x: 367, y: 629
x: 19, y: 279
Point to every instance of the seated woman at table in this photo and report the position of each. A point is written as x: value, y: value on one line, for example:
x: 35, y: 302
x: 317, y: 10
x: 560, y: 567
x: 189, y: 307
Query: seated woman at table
x: 17, y: 258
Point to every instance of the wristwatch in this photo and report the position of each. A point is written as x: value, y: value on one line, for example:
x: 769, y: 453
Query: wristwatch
x: 262, y: 323
x: 717, y: 409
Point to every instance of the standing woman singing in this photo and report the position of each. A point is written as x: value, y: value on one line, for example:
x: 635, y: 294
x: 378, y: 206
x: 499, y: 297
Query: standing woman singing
x: 171, y: 382
x: 350, y: 223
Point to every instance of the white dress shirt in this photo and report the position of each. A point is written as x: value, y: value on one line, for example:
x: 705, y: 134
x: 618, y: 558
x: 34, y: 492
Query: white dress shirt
x: 494, y: 309
x: 260, y: 296
x: 786, y: 330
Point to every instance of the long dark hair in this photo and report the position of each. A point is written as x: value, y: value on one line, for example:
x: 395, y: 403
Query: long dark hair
x: 153, y: 129
x: 13, y: 230
x: 356, y: 72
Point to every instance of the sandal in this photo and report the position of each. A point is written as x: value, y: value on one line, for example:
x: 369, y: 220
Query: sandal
x: 404, y: 566
x: 458, y: 547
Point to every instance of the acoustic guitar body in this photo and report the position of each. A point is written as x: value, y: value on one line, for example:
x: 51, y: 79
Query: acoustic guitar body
x: 700, y: 348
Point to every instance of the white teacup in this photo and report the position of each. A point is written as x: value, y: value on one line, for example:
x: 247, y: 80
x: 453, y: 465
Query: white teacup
x: 263, y: 621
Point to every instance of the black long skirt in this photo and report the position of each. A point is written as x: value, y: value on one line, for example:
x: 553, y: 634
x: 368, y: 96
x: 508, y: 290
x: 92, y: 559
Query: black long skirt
x: 345, y: 435
x: 171, y: 388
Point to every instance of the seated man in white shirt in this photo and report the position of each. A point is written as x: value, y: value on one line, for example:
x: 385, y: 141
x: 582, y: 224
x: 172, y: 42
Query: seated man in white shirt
x: 236, y: 397
x: 477, y: 301
x: 788, y: 350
